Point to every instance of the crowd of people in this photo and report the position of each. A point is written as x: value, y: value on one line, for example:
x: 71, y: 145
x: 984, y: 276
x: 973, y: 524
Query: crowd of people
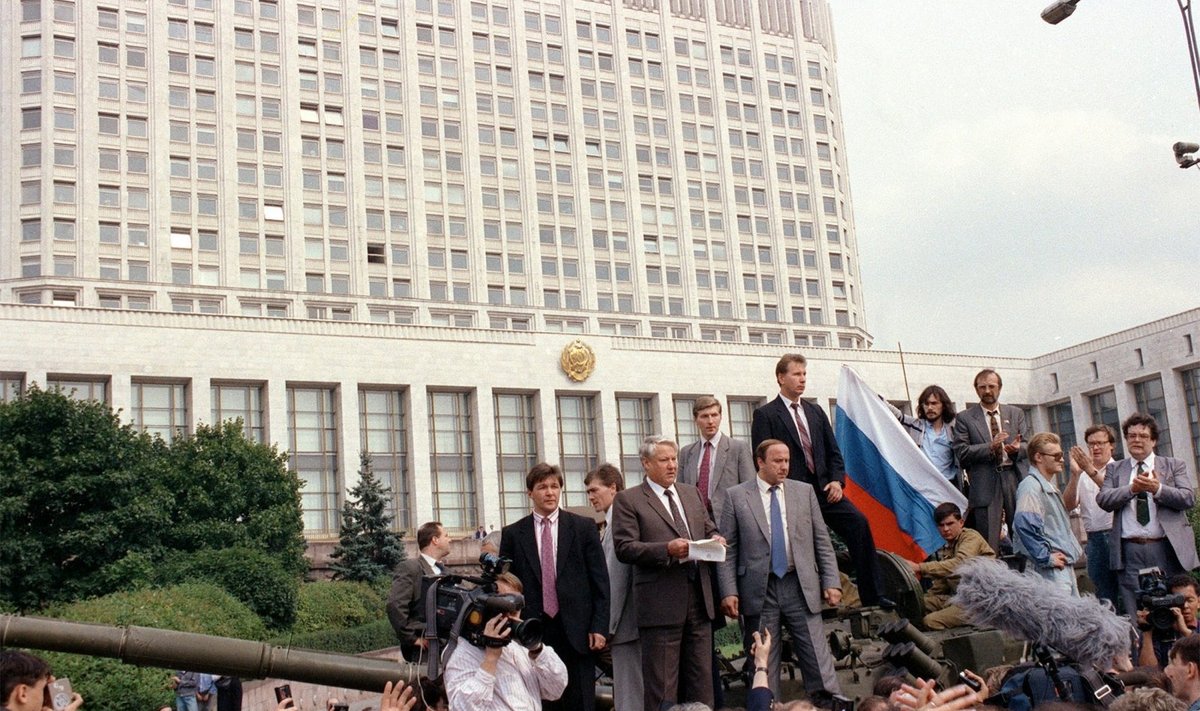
x: 641, y: 594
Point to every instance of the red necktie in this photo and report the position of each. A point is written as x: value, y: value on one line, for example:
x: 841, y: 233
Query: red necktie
x: 705, y: 468
x: 549, y: 572
x: 805, y: 441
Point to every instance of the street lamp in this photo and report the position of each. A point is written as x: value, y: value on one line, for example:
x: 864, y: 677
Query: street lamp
x: 1184, y: 151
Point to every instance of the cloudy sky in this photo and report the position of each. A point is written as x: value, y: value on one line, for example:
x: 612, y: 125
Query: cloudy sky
x: 1013, y: 181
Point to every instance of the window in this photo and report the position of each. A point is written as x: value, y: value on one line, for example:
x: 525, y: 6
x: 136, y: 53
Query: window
x: 452, y: 459
x: 1191, y: 396
x: 1062, y: 423
x: 577, y: 440
x: 76, y: 388
x: 741, y: 413
x: 11, y: 386
x: 1150, y: 399
x: 516, y: 451
x: 635, y: 422
x: 313, y: 447
x: 384, y: 430
x: 1103, y: 409
x: 232, y: 401
x: 160, y: 408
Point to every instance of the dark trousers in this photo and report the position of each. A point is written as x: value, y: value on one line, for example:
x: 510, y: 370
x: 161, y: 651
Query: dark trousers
x: 987, y: 519
x: 677, y: 660
x: 581, y: 670
x: 844, y: 519
x: 1139, y: 556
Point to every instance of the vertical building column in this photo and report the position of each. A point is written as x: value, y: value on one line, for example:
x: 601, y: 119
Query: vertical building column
x: 422, y: 496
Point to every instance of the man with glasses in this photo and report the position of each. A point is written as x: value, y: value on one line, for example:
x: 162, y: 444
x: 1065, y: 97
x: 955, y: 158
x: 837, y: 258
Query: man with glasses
x: 1149, y: 497
x: 1041, y: 526
x: 1087, y: 476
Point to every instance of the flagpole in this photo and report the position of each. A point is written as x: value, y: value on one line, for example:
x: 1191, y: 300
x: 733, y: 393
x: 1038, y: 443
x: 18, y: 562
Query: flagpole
x: 904, y: 370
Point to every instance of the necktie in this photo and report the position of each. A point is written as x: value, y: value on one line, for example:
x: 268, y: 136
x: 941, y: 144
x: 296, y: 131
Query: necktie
x: 1143, y: 499
x: 549, y: 572
x: 779, y: 564
x: 705, y: 470
x: 805, y: 441
x: 994, y: 423
x: 680, y: 523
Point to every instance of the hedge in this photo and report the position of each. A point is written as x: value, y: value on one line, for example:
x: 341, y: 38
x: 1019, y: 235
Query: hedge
x: 354, y: 640
x: 331, y: 605
x: 252, y: 576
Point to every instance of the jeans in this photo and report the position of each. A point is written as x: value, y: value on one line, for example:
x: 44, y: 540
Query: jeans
x: 186, y: 703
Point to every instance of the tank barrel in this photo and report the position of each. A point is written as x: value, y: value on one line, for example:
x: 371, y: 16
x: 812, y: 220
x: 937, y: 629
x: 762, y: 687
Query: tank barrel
x: 168, y: 649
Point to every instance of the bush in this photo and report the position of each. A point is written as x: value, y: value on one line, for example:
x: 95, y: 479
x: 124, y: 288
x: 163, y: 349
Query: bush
x: 253, y: 577
x: 355, y: 640
x: 338, y: 605
x: 193, y: 607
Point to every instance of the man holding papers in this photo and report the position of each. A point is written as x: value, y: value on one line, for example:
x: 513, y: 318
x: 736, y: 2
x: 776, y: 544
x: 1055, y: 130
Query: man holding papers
x: 780, y: 567
x: 652, y: 527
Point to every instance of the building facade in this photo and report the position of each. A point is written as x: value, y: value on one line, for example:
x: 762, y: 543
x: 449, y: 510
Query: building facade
x: 375, y: 227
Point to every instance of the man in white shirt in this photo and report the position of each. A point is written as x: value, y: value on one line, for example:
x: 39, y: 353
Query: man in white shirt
x: 1087, y: 476
x: 508, y: 678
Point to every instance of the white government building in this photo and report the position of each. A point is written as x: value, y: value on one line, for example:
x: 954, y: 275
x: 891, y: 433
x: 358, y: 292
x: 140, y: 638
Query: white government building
x: 377, y: 224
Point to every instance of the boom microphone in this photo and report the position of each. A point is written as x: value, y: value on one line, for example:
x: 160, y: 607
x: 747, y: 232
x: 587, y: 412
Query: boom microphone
x: 1024, y: 606
x: 1181, y: 147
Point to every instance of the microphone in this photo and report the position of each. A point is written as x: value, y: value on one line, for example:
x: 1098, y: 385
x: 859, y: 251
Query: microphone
x: 1024, y: 606
x: 1182, y: 147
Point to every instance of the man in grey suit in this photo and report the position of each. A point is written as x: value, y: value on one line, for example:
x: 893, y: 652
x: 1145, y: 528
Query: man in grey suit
x: 404, y: 605
x: 1149, y: 496
x: 652, y: 527
x: 602, y: 484
x: 779, y: 567
x: 991, y: 441
x: 714, y: 462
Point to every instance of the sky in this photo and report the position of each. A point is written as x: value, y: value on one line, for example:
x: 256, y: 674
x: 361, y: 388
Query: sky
x: 1013, y: 183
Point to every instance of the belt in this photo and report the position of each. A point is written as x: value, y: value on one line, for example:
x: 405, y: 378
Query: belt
x: 1143, y: 541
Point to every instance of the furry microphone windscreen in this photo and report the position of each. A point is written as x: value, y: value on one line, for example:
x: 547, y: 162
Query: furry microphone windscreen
x: 1029, y: 608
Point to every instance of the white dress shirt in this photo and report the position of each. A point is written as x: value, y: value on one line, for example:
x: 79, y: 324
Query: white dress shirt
x: 537, y: 532
x: 1130, y: 528
x: 520, y: 683
x: 803, y: 418
x: 660, y: 492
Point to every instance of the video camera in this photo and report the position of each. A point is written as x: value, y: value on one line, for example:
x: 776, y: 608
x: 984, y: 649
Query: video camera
x: 460, y: 606
x: 1156, y: 599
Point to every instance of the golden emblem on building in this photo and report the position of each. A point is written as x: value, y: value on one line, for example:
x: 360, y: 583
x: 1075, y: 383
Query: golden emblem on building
x: 578, y: 360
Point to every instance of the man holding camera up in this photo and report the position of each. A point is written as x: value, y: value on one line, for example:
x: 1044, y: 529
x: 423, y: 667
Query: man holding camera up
x: 1149, y: 496
x: 26, y: 684
x: 490, y: 674
x: 1162, y: 627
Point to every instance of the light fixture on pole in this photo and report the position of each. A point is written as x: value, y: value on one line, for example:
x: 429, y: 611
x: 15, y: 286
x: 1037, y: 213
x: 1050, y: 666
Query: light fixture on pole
x: 1184, y: 151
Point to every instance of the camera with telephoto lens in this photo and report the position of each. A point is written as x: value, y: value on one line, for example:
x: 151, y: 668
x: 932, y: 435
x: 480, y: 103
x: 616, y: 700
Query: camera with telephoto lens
x: 464, y: 610
x: 1156, y: 599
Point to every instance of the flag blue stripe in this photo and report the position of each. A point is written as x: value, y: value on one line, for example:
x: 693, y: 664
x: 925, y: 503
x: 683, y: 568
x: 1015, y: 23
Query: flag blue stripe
x: 870, y: 469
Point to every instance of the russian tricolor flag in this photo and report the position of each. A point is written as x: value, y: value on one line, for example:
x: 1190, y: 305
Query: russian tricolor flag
x: 887, y: 476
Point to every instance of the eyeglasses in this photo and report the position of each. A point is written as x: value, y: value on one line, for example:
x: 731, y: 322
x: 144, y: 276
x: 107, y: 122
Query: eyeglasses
x: 1098, y: 444
x: 1056, y: 456
x: 1137, y: 435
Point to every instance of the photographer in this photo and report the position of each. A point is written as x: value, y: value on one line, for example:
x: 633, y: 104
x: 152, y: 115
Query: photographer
x: 507, y: 677
x: 25, y: 682
x: 1157, y: 640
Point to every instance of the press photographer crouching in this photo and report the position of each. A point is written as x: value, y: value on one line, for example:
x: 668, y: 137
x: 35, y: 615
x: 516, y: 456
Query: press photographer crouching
x: 490, y: 673
x: 1166, y: 613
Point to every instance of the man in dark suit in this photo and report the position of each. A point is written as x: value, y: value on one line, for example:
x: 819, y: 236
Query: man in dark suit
x: 816, y: 460
x: 780, y: 567
x: 558, y: 558
x: 991, y: 442
x: 405, y: 608
x: 1149, y: 496
x: 716, y: 461
x: 652, y: 526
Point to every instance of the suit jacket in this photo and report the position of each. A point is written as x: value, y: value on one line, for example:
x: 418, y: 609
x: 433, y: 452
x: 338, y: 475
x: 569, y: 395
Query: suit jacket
x: 642, y: 527
x: 582, y: 576
x: 747, y: 563
x: 622, y: 608
x: 1173, y: 500
x: 776, y: 421
x: 971, y: 439
x: 732, y: 463
x: 404, y: 609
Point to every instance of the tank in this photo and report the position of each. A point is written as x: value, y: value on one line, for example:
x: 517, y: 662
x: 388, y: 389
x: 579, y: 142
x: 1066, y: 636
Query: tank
x: 246, y: 659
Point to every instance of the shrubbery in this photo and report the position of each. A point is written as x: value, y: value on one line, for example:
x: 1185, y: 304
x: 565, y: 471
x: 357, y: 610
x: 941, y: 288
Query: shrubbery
x: 253, y: 577
x: 192, y: 607
x: 355, y: 640
x: 338, y: 605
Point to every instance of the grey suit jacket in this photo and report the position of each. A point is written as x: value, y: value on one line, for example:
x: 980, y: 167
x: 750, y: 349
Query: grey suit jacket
x: 747, y: 562
x: 1177, y: 495
x: 641, y: 529
x: 733, y: 463
x: 622, y: 610
x: 971, y: 439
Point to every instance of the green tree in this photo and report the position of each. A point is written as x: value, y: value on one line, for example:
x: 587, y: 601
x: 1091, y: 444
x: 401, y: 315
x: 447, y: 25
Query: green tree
x: 78, y: 493
x: 89, y: 506
x: 367, y: 548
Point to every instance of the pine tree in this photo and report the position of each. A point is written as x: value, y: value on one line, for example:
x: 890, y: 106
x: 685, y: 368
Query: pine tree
x: 368, y: 548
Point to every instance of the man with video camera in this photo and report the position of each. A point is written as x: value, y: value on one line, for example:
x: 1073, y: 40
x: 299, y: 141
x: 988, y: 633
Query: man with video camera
x: 491, y: 674
x: 1166, y: 613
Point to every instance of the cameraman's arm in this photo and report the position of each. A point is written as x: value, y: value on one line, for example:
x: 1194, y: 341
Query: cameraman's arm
x: 550, y: 672
x: 471, y: 681
x: 1146, y: 655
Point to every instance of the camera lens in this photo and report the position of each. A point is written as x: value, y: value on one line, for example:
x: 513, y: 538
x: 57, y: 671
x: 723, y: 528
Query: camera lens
x: 527, y: 633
